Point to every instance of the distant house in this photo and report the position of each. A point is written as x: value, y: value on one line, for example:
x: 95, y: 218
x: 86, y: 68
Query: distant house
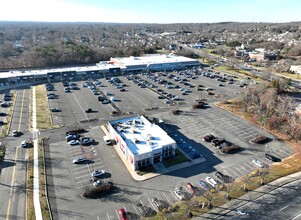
x: 295, y: 69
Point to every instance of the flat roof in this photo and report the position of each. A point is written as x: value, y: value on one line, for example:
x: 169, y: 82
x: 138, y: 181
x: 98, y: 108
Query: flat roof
x: 152, y: 59
x: 104, y: 65
x: 140, y: 135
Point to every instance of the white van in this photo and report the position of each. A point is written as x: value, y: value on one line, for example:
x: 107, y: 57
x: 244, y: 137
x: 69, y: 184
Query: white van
x: 107, y: 140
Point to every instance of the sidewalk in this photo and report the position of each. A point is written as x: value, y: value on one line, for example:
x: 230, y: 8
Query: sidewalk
x: 160, y: 168
x: 251, y: 196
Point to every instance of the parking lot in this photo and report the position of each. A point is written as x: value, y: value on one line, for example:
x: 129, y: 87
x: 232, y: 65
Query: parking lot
x: 187, y: 129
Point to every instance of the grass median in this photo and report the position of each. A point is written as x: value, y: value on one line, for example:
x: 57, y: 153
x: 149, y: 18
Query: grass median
x: 30, y: 214
x: 43, y: 113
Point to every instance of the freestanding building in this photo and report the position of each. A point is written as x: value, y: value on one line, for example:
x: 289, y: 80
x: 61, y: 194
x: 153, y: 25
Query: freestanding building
x: 141, y: 142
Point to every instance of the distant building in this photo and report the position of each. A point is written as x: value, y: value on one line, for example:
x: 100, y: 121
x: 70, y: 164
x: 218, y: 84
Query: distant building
x: 295, y: 69
x: 141, y: 142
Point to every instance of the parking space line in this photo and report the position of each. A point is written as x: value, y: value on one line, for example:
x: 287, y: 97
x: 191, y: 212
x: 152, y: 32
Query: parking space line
x: 135, y: 209
x: 80, y: 106
x: 117, y: 214
x: 174, y: 195
x: 155, y: 208
x: 166, y: 198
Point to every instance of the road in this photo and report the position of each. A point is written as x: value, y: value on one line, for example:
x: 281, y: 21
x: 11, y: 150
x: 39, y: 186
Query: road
x: 13, y: 176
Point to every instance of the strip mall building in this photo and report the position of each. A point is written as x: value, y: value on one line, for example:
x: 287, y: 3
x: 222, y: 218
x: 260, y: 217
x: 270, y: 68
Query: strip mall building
x: 113, y: 67
x: 141, y: 142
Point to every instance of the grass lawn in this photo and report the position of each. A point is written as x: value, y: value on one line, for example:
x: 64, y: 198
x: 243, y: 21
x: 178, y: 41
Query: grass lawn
x: 179, y: 158
x: 2, y: 153
x: 42, y: 180
x: 43, y: 113
x: 30, y: 213
x: 289, y: 75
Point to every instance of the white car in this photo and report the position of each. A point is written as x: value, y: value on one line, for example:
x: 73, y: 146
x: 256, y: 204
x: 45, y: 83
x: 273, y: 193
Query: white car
x: 179, y: 193
x: 98, y: 173
x: 257, y: 163
x: 97, y: 183
x: 74, y: 142
x: 79, y: 160
x: 211, y: 181
x: 23, y: 144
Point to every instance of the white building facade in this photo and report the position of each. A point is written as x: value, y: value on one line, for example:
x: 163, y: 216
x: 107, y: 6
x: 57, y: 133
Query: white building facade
x: 141, y: 142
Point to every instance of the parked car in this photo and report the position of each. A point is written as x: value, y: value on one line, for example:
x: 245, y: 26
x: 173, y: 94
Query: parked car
x: 86, y: 141
x: 272, y: 158
x: 194, y: 154
x: 2, y: 114
x: 98, y: 173
x: 89, y: 110
x: 144, y: 211
x: 179, y: 193
x: 74, y: 142
x: 220, y: 176
x: 123, y: 214
x: 257, y: 163
x: 208, y: 137
x: 80, y: 159
x: 71, y: 137
x: 157, y: 203
x: 204, y: 185
x: 97, y: 183
x: 211, y: 181
x: 24, y: 144
x: 190, y: 188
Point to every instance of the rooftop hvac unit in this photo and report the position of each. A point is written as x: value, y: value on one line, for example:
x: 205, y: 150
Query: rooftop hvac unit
x: 135, y: 140
x: 149, y: 143
x: 149, y: 137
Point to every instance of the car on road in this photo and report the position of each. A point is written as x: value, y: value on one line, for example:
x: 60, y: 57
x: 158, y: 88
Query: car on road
x: 257, y: 163
x: 89, y: 110
x: 97, y: 183
x: 272, y: 158
x: 123, y: 214
x: 190, y: 188
x: 2, y: 114
x: 16, y: 133
x: 74, y: 142
x: 179, y: 193
x: 204, y: 185
x: 211, y: 181
x: 98, y: 173
x: 55, y: 110
x: 80, y: 159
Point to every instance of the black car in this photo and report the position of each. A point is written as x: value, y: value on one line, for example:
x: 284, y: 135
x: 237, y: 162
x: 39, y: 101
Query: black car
x: 272, y: 158
x: 2, y: 114
x: 89, y: 110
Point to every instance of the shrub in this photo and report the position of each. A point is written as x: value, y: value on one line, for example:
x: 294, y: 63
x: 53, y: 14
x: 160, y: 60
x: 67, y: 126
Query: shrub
x: 94, y: 191
x: 260, y: 139
x: 230, y: 149
x: 76, y: 131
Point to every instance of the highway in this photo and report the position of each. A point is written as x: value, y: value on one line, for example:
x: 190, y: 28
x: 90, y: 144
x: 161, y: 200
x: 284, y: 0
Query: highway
x: 13, y: 176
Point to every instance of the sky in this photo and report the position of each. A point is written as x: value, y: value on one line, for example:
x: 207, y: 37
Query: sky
x: 151, y: 11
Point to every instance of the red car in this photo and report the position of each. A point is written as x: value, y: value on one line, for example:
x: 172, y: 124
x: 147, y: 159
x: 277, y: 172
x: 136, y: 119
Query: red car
x: 190, y: 188
x: 208, y: 137
x: 123, y: 214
